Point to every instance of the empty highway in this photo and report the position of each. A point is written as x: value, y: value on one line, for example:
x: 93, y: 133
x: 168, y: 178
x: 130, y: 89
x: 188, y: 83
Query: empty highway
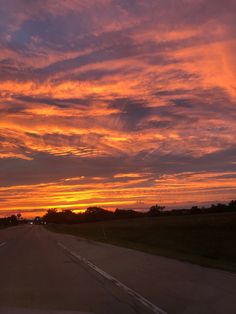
x: 44, y: 272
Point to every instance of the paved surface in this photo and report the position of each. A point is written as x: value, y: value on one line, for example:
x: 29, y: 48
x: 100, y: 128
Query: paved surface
x: 39, y: 276
x: 36, y: 274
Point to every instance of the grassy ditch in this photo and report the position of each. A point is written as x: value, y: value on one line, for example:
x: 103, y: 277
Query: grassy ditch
x: 205, y: 239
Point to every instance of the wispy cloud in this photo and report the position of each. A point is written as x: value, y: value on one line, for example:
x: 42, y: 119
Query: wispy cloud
x: 143, y: 92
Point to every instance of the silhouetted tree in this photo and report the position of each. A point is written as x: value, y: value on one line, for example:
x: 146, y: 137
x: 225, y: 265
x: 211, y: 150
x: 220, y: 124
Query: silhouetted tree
x: 195, y: 210
x: 155, y: 210
x: 97, y: 213
x: 129, y: 213
x: 51, y: 216
x: 232, y: 205
x: 18, y: 216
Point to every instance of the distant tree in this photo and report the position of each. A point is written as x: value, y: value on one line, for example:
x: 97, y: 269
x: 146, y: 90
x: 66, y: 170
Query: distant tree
x: 13, y: 220
x: 218, y: 208
x: 95, y: 213
x: 95, y: 210
x: 126, y: 213
x: 51, y: 216
x: 67, y: 216
x: 195, y: 210
x: 155, y: 210
x: 232, y: 205
x: 18, y: 216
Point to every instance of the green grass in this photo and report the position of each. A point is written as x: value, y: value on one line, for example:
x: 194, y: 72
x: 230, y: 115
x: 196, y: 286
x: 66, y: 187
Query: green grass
x: 208, y: 239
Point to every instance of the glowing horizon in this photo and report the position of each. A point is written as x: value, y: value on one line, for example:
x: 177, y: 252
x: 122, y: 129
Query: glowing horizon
x: 116, y: 103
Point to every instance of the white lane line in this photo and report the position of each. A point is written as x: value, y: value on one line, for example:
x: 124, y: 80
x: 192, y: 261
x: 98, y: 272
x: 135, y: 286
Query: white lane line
x: 2, y: 244
x: 155, y: 309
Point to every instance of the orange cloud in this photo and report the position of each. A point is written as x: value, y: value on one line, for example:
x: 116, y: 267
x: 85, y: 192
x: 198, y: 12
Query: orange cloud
x: 171, y: 190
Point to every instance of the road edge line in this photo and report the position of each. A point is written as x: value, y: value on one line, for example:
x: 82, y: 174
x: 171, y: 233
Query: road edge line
x: 155, y: 309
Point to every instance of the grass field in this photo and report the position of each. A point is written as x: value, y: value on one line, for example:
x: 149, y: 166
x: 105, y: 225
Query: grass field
x: 208, y: 239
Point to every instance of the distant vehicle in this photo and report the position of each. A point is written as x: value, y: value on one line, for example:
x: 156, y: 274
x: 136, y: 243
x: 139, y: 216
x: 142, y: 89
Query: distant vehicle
x: 38, y: 220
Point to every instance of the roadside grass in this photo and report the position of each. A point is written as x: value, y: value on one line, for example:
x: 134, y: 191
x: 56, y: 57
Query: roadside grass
x: 206, y: 239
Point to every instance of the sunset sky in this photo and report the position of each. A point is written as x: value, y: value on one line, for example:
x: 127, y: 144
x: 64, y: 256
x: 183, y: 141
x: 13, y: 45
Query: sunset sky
x: 116, y: 103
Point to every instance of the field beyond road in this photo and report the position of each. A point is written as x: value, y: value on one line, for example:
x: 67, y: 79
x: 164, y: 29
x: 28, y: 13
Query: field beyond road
x: 205, y: 239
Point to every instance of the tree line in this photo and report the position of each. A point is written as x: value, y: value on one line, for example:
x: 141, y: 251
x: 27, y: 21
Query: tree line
x: 12, y: 220
x: 93, y: 214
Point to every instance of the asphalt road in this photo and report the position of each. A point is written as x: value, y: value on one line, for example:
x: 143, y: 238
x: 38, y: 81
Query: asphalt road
x: 43, y: 272
x: 38, y: 276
